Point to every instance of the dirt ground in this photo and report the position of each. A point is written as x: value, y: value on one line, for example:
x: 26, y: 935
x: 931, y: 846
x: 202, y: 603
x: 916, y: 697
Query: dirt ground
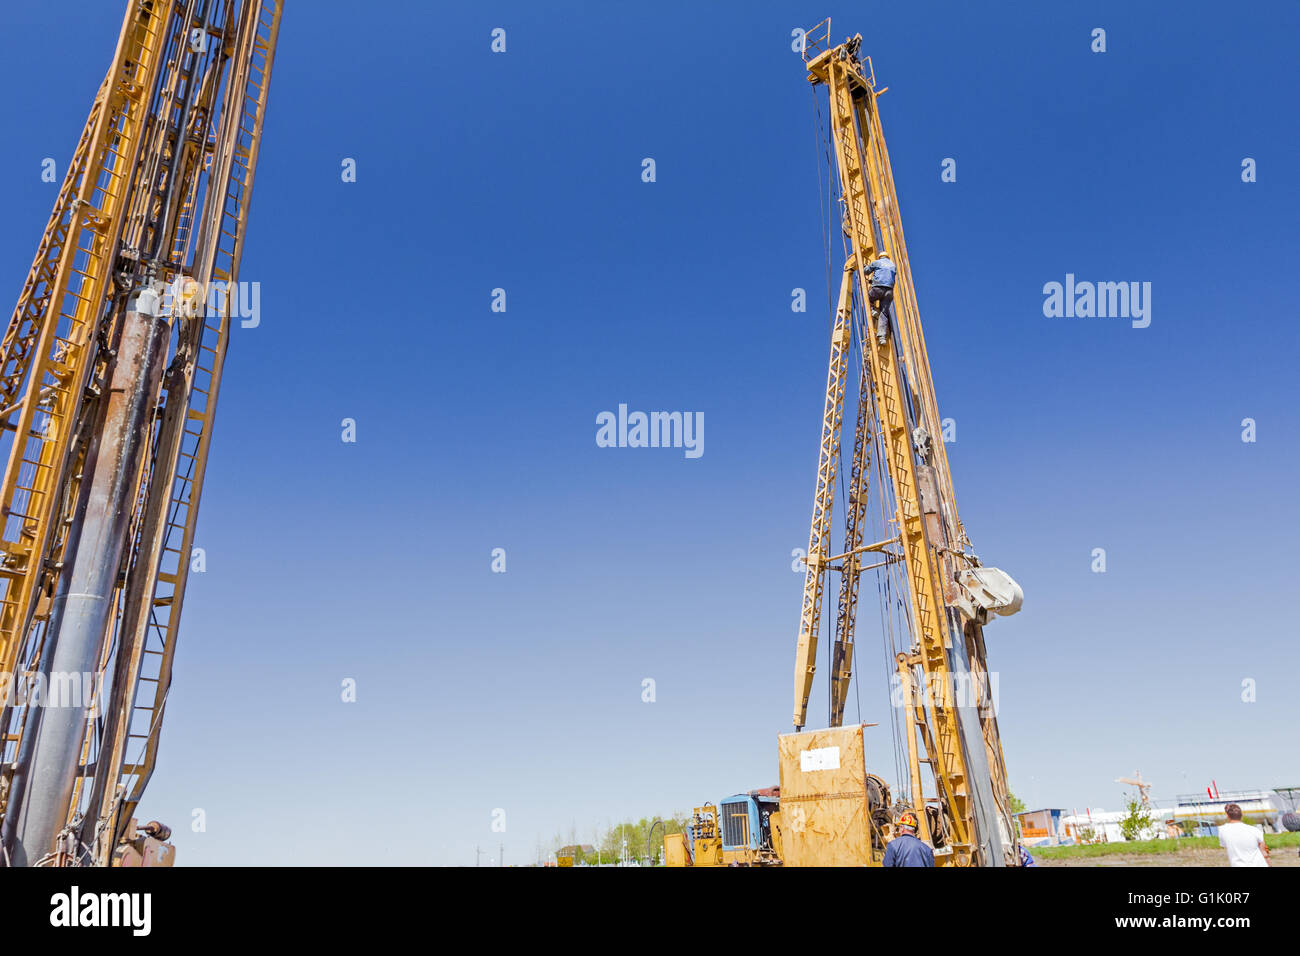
x: 1198, y: 856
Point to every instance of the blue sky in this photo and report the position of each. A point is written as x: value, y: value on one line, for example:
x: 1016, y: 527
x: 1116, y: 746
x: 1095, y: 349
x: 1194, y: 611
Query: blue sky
x: 476, y: 430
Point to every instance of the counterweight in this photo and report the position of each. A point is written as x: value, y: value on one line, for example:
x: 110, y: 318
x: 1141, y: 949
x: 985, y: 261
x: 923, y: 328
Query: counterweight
x: 109, y: 375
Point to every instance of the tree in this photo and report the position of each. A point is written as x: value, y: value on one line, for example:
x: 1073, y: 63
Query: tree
x: 607, y: 844
x: 1015, y: 805
x: 1137, y: 820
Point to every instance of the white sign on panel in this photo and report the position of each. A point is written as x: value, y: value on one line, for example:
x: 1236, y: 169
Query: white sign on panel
x: 822, y: 758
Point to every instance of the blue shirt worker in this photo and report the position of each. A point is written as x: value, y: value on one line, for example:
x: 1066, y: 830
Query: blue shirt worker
x: 881, y: 294
x: 905, y: 849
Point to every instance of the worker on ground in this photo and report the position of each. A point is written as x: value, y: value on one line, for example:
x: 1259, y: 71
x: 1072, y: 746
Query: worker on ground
x: 881, y: 294
x: 1244, y: 843
x: 905, y: 849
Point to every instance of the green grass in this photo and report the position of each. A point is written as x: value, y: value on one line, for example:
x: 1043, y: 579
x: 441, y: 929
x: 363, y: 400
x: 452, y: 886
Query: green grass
x: 1271, y: 840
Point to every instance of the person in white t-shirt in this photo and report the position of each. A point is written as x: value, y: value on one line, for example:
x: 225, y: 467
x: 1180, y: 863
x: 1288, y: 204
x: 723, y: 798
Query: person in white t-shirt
x: 1244, y: 843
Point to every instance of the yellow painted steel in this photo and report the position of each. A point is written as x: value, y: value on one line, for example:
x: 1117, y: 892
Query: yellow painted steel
x: 851, y: 570
x: 823, y: 499
x: 155, y: 621
x: 179, y: 117
x: 676, y: 850
x: 47, y: 353
x: 897, y: 400
x: 702, y: 846
x: 706, y: 842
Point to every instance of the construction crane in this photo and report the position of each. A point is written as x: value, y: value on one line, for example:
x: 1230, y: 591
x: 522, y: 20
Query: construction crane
x: 110, y: 371
x: 948, y: 721
x: 1143, y: 786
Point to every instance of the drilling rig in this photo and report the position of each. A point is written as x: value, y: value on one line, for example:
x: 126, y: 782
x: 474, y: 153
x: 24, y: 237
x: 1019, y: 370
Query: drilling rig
x: 941, y: 592
x: 936, y: 596
x: 110, y: 371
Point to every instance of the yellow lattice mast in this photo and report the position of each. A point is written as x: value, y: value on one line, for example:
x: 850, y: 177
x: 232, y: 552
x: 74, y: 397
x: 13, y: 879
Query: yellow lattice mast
x: 109, y: 375
x: 948, y: 720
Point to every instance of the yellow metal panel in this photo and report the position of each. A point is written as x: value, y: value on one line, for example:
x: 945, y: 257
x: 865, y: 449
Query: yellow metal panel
x: 675, y: 853
x: 708, y: 852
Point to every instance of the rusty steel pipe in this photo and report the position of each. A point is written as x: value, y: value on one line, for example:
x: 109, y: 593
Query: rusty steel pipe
x: 48, y: 763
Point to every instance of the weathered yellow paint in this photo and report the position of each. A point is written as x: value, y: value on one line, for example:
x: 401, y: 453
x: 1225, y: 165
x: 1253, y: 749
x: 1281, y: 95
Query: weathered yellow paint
x: 675, y: 850
x: 97, y: 247
x: 896, y: 405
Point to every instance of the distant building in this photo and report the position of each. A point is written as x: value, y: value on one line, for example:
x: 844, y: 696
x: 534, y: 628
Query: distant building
x: 1040, y: 827
x: 1192, y: 815
x: 573, y: 854
x: 1202, y: 814
x: 1103, y: 826
x: 1291, y: 795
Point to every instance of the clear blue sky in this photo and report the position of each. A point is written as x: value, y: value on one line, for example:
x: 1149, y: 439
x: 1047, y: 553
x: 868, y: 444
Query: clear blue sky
x: 476, y: 430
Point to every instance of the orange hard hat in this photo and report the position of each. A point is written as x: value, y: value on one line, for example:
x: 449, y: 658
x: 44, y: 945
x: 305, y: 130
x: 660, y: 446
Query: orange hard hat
x: 908, y: 819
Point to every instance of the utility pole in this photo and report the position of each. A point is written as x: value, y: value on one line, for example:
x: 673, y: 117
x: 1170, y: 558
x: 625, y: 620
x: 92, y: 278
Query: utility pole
x: 501, y: 855
x: 477, y: 854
